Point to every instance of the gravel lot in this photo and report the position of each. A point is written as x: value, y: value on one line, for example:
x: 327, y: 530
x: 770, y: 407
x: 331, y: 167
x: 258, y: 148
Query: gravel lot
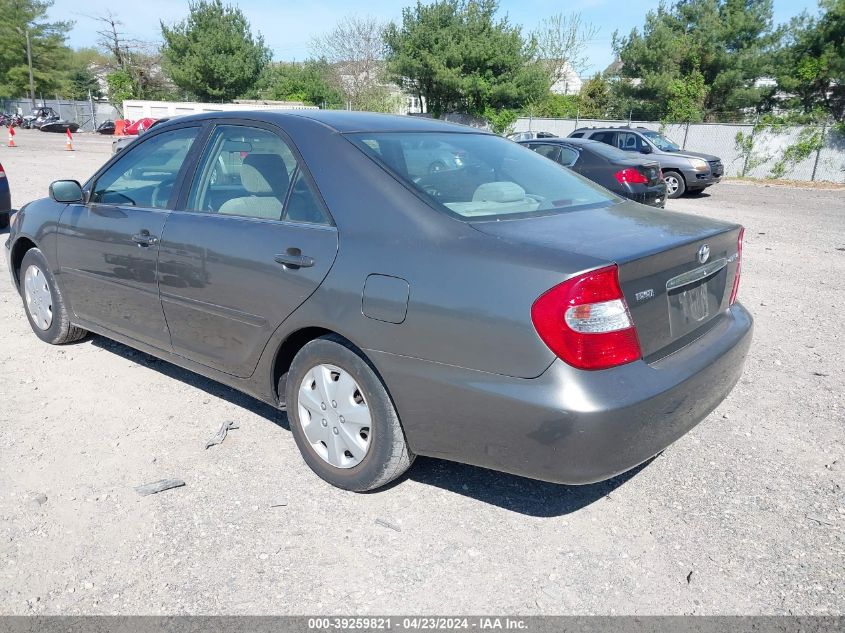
x: 743, y: 515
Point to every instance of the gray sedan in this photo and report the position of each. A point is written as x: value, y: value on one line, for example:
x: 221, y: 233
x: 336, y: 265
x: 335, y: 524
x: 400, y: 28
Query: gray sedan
x: 500, y: 310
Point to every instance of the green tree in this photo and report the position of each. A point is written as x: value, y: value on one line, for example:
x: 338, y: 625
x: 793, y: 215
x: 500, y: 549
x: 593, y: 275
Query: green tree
x: 213, y: 53
x: 81, y: 78
x: 456, y: 55
x: 686, y: 98
x: 811, y: 65
x: 310, y: 82
x: 729, y: 42
x: 47, y: 44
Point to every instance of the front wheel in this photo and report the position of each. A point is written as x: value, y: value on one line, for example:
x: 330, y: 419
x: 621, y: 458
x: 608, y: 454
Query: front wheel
x: 342, y: 417
x: 45, y: 308
x: 675, y: 185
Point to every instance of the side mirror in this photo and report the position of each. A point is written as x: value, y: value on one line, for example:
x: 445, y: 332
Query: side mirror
x: 66, y: 191
x: 645, y: 149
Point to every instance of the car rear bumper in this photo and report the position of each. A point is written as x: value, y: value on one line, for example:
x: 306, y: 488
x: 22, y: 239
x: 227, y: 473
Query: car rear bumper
x: 567, y: 426
x: 651, y: 195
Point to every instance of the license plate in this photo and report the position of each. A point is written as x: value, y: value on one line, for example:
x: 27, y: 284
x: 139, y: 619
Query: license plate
x: 694, y: 303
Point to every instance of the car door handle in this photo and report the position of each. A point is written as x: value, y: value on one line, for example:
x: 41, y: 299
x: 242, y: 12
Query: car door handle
x: 294, y: 260
x: 144, y: 239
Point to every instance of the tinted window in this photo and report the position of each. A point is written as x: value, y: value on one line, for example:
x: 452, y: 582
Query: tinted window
x: 244, y: 171
x: 145, y: 174
x: 303, y: 205
x: 568, y: 156
x: 607, y: 151
x: 487, y: 176
x: 549, y: 151
x: 603, y: 137
x: 576, y: 135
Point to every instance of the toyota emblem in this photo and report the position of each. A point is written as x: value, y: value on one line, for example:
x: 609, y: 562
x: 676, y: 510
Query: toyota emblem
x: 703, y: 254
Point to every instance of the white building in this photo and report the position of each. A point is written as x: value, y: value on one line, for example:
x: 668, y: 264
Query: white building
x: 569, y: 84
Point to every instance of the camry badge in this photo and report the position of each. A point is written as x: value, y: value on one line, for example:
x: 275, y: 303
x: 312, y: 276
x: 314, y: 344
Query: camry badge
x: 703, y: 254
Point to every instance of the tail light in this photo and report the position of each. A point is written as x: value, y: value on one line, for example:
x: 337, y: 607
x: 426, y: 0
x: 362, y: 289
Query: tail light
x: 586, y: 323
x: 631, y: 175
x: 735, y: 289
x: 2, y: 172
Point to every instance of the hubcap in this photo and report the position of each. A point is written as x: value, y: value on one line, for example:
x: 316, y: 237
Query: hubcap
x: 671, y: 184
x: 334, y: 416
x: 39, y: 300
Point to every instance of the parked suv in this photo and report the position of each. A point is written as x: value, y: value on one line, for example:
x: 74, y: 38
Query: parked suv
x: 683, y: 170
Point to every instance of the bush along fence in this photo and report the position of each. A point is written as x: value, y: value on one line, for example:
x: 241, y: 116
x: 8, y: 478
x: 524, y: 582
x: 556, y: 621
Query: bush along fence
x: 87, y: 114
x: 752, y: 150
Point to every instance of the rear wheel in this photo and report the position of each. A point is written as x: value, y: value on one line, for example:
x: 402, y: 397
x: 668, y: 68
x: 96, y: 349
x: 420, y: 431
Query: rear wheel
x: 45, y: 308
x: 342, y: 417
x: 675, y: 185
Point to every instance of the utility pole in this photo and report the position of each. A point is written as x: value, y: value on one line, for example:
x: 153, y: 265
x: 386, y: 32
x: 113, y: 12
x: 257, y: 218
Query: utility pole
x: 25, y: 33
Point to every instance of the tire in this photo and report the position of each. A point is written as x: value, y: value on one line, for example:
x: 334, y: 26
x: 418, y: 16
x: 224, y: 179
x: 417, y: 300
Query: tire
x: 40, y: 289
x: 386, y: 455
x: 675, y: 185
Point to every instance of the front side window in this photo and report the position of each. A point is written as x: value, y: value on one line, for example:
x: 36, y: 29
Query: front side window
x: 629, y: 142
x: 484, y: 176
x: 244, y: 171
x: 661, y: 141
x: 144, y: 175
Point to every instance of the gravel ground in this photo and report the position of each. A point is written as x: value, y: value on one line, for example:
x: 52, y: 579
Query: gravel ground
x: 744, y: 515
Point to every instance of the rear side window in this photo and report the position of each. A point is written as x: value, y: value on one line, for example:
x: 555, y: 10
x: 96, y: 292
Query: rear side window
x: 480, y: 176
x: 576, y: 135
x: 568, y: 156
x: 604, y: 137
x: 145, y: 174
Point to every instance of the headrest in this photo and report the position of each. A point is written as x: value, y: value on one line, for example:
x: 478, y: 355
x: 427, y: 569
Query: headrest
x: 264, y: 174
x: 502, y: 191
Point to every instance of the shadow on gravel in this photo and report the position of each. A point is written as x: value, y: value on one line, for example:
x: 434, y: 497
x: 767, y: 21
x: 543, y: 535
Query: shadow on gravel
x: 211, y: 387
x: 511, y: 492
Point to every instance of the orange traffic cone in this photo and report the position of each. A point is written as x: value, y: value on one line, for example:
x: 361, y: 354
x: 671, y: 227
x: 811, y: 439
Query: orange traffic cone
x: 12, y: 137
x: 69, y: 142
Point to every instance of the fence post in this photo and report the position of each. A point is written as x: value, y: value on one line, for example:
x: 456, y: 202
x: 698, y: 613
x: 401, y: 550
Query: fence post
x: 750, y: 147
x: 819, y: 151
x: 686, y: 133
x: 93, y: 112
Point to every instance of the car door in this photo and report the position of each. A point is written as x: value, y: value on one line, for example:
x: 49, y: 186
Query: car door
x: 107, y: 249
x: 251, y: 241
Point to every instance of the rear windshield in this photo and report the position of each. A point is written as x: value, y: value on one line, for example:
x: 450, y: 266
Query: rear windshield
x: 481, y: 176
x: 603, y: 149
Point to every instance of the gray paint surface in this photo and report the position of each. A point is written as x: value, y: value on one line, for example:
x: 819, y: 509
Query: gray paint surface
x: 466, y: 353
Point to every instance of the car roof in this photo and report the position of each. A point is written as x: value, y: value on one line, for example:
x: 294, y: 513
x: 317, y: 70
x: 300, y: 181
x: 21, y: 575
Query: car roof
x: 342, y: 121
x: 563, y: 141
x: 599, y: 128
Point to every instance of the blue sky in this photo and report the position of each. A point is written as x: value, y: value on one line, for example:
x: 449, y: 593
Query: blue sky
x: 289, y: 26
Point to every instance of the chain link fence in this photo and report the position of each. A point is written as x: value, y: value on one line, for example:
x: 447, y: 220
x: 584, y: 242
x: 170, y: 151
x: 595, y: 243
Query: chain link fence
x: 800, y: 152
x: 87, y: 114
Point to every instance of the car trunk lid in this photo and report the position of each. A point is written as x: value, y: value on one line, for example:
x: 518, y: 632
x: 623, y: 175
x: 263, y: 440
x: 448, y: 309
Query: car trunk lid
x: 672, y: 290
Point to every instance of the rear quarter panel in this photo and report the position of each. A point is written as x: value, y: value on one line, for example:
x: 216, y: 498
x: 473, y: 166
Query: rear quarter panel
x: 470, y: 294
